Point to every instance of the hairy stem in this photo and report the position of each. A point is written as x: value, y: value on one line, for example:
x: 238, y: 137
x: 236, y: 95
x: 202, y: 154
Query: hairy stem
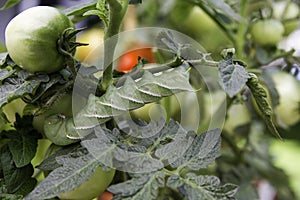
x: 116, y: 15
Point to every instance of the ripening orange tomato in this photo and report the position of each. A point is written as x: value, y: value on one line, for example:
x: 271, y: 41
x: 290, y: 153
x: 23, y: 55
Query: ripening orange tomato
x: 128, y: 60
x: 105, y: 196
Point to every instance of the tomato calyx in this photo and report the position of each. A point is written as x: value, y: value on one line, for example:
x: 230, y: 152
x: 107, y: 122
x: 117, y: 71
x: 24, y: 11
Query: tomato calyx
x: 66, y: 45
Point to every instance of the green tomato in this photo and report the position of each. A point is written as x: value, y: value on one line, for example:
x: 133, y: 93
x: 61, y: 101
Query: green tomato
x: 198, y: 15
x: 61, y: 106
x: 31, y: 39
x: 284, y: 10
x: 267, y: 32
x: 287, y: 12
x: 93, y: 187
x: 288, y: 88
x: 154, y: 111
x: 237, y: 115
x: 290, y: 26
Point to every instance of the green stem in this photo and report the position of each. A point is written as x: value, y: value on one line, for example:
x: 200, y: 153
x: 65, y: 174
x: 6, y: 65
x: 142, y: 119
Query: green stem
x: 241, y: 32
x: 116, y: 15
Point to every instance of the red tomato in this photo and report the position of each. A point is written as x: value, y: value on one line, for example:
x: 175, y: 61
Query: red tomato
x: 105, y: 196
x: 128, y: 60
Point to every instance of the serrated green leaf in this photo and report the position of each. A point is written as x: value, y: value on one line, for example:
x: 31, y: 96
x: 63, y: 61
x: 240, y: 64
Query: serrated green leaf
x: 243, y: 177
x: 4, y: 74
x: 23, y: 141
x: 113, y: 154
x: 233, y: 76
x: 202, y: 187
x: 15, y: 178
x: 143, y: 187
x: 50, y: 163
x: 46, y: 85
x: 152, y: 147
x: 132, y: 95
x: 165, y: 40
x: 72, y: 173
x: 16, y: 87
x: 260, y: 96
x: 10, y: 3
x: 203, y: 151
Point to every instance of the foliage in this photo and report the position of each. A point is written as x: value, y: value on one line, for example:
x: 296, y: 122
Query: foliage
x: 159, y: 159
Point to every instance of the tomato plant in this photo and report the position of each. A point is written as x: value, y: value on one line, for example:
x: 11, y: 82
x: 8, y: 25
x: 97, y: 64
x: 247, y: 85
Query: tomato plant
x: 195, y: 123
x: 33, y: 34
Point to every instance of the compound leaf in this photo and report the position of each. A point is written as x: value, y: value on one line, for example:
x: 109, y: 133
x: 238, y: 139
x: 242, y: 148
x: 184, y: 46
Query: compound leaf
x: 72, y: 173
x: 23, y: 141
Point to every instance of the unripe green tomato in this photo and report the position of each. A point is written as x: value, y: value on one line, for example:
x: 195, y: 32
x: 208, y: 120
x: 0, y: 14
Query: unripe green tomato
x: 198, y: 21
x: 288, y: 88
x: 91, y: 188
x: 150, y: 111
x: 200, y: 26
x: 154, y: 111
x: 267, y: 32
x: 284, y: 10
x: 288, y: 13
x: 237, y: 115
x: 62, y: 106
x: 290, y: 26
x: 31, y: 39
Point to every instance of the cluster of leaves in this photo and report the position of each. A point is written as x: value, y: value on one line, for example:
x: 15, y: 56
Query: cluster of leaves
x: 165, y: 165
x: 160, y: 159
x: 18, y: 147
x: 168, y: 158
